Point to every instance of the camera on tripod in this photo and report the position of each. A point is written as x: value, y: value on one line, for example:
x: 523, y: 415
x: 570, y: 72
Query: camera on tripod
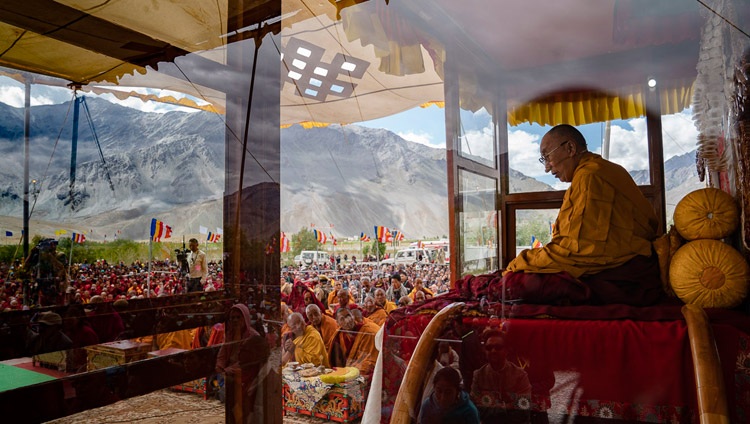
x: 182, y: 259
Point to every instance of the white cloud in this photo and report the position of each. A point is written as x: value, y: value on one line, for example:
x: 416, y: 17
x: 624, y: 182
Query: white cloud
x: 479, y: 143
x: 14, y: 95
x: 628, y: 146
x: 421, y: 138
x: 523, y: 148
x: 679, y: 134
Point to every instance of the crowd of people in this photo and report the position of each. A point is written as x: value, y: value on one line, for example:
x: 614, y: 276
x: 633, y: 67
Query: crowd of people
x: 108, y: 281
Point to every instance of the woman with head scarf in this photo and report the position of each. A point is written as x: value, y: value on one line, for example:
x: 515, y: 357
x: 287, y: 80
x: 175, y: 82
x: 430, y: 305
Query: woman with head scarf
x: 240, y: 359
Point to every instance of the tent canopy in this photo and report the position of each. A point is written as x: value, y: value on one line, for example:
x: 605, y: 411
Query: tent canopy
x: 575, y: 58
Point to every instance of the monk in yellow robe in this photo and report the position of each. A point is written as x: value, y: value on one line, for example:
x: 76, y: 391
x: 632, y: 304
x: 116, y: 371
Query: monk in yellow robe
x: 375, y: 312
x: 326, y: 326
x: 604, y: 229
x: 383, y: 302
x: 306, y: 346
x: 354, y: 345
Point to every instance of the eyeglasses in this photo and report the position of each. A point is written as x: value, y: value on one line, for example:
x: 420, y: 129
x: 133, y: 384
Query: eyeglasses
x: 545, y: 158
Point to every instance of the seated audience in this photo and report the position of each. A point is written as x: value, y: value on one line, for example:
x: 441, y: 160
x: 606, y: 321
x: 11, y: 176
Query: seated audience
x: 326, y: 326
x: 306, y: 345
x: 375, y: 312
x: 383, y: 302
x: 354, y: 344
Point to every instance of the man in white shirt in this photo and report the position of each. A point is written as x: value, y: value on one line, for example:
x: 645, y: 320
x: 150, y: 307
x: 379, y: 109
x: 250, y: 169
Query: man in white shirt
x: 198, y: 267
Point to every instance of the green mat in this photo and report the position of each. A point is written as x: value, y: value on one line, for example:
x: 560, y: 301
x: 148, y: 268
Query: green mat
x: 13, y: 377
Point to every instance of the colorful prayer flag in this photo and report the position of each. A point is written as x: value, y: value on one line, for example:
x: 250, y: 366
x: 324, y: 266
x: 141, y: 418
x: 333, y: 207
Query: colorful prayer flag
x: 212, y: 237
x: 320, y: 236
x: 78, y: 238
x: 159, y: 230
x: 535, y: 243
x: 284, y: 243
x: 58, y: 233
x: 383, y: 234
x: 364, y: 237
x: 333, y: 239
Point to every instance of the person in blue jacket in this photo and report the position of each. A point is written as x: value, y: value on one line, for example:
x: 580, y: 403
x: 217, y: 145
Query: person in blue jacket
x: 448, y: 403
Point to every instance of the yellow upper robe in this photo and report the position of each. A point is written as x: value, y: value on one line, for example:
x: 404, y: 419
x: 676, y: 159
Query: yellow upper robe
x: 604, y: 221
x: 309, y: 348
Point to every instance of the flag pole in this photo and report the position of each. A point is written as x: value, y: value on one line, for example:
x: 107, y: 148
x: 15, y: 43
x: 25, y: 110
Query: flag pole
x: 70, y: 260
x: 148, y: 276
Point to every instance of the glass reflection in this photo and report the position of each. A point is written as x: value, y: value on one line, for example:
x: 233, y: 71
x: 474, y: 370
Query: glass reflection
x: 478, y: 220
x: 477, y: 136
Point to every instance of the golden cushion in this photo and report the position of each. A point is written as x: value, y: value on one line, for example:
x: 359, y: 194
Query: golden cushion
x: 708, y: 213
x: 709, y: 273
x: 340, y: 375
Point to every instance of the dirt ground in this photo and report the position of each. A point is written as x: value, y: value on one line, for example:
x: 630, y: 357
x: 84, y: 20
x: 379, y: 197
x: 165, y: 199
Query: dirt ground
x: 165, y: 407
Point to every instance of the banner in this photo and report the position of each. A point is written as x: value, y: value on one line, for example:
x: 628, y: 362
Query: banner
x: 159, y: 230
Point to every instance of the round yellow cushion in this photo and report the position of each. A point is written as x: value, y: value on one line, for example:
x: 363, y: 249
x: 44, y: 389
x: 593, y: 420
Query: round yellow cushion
x: 709, y: 273
x: 708, y: 213
x: 340, y: 375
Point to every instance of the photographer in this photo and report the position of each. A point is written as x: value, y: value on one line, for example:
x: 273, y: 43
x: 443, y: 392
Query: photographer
x: 198, y: 267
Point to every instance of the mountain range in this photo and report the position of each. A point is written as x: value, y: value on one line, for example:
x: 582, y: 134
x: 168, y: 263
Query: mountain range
x: 344, y: 179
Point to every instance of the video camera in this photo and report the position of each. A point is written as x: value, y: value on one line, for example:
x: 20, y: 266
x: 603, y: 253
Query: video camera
x: 182, y: 258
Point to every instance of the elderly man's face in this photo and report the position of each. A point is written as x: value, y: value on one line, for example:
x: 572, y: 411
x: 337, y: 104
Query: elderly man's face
x: 369, y: 304
x: 314, y: 316
x: 343, y: 297
x: 380, y: 298
x: 297, y: 324
x: 559, y: 154
x: 345, y: 319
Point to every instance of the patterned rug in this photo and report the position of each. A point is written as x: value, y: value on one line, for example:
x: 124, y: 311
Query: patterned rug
x: 165, y: 407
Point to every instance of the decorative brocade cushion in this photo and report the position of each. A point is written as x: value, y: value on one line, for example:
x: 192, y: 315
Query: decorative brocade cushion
x: 710, y: 274
x: 708, y: 213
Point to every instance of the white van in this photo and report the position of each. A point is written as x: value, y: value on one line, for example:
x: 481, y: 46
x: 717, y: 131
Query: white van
x: 314, y: 257
x: 411, y: 256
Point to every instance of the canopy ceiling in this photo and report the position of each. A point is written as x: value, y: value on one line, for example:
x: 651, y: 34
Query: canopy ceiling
x: 530, y: 50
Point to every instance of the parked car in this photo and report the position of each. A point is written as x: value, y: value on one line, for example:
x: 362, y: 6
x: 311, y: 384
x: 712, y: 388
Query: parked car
x: 314, y: 257
x: 410, y: 256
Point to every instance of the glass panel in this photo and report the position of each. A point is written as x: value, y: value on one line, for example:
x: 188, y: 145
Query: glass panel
x: 534, y: 228
x: 477, y: 136
x: 626, y: 147
x: 680, y: 170
x: 478, y: 221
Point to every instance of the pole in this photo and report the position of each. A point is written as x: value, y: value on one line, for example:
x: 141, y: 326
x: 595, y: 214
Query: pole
x: 70, y: 260
x: 26, y: 149
x: 148, y: 276
x: 26, y: 133
x: 74, y: 149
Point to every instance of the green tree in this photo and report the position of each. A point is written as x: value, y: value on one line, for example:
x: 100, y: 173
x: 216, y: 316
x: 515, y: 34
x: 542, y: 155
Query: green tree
x: 378, y: 247
x: 536, y: 228
x: 304, y: 240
